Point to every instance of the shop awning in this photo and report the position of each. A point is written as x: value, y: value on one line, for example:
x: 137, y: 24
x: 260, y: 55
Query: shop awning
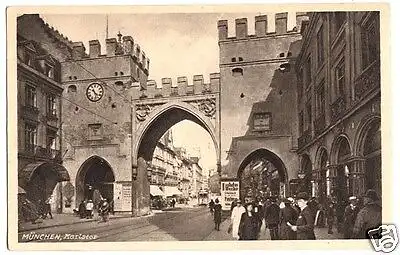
x: 171, y: 191
x: 60, y: 171
x: 156, y: 191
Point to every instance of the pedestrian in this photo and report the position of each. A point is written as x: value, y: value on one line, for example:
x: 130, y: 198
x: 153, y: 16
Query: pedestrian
x: 217, y: 214
x: 233, y: 204
x: 369, y: 217
x: 259, y: 213
x: 313, y: 205
x: 271, y: 216
x: 104, y: 209
x: 173, y: 202
x: 236, y: 216
x: 330, y: 216
x: 288, y: 214
x: 211, y: 206
x: 47, y: 207
x: 82, y: 209
x: 248, y: 227
x: 350, y: 215
x: 304, y: 227
x: 89, y: 209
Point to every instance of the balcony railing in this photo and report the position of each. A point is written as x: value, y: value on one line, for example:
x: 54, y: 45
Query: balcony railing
x: 304, y: 139
x: 338, y: 108
x: 368, y: 80
x: 319, y: 124
x: 31, y: 112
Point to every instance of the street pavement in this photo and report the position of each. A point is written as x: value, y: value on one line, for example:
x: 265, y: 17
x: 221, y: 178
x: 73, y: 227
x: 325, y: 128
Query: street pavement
x: 179, y: 224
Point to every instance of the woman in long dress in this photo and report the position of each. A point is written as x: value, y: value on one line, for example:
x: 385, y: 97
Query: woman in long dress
x: 236, y: 215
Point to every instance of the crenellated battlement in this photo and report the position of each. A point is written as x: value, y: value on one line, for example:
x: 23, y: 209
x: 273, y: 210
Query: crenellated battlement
x: 180, y: 86
x: 261, y: 26
x: 124, y: 45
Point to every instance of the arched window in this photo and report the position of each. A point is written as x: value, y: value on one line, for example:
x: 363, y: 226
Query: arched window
x: 71, y: 88
x: 233, y: 59
x: 240, y: 59
x: 237, y: 71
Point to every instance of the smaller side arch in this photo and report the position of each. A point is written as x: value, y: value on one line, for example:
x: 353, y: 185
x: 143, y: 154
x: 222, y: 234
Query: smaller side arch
x: 318, y: 156
x: 333, y: 157
x: 362, y: 132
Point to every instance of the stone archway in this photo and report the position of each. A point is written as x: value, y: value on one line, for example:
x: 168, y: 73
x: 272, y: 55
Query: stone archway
x: 368, y: 147
x: 261, y: 174
x: 162, y: 118
x: 322, y: 161
x: 95, y: 178
x: 305, y: 175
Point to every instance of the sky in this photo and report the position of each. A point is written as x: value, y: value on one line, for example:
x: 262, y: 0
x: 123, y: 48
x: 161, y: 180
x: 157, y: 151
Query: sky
x: 178, y: 44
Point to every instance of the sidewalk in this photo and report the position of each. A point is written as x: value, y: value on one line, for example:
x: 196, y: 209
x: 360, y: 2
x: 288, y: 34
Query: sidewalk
x: 222, y: 235
x: 62, y: 220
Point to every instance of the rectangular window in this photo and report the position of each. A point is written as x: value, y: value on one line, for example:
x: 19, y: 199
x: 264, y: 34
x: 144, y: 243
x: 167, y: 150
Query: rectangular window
x: 300, y: 83
x: 308, y: 116
x: 320, y: 99
x: 320, y: 45
x: 49, y: 70
x: 30, y: 137
x: 301, y: 122
x: 51, y: 105
x: 95, y: 131
x: 262, y: 121
x: 369, y: 43
x: 51, y: 140
x: 30, y: 96
x: 340, y: 78
x: 307, y: 78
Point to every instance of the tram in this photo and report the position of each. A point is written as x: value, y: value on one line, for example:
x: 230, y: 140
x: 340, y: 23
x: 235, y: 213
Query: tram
x: 202, y: 197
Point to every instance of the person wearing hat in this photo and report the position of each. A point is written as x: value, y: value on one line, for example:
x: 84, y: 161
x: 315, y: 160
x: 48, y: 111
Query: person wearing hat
x: 350, y: 214
x: 235, y: 218
x: 271, y: 216
x: 248, y: 227
x: 287, y: 214
x: 217, y: 214
x: 304, y: 227
x: 369, y: 217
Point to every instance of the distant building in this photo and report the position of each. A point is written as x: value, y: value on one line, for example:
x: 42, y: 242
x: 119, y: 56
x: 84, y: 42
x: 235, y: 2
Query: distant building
x: 338, y: 104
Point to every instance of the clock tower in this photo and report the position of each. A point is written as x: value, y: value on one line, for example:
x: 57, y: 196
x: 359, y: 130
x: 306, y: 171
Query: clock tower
x: 97, y: 114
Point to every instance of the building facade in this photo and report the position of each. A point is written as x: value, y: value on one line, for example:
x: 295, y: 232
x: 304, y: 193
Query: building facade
x: 39, y: 93
x: 257, y: 74
x: 338, y: 104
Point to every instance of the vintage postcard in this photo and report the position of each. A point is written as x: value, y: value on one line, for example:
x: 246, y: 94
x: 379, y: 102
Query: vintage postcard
x: 239, y: 126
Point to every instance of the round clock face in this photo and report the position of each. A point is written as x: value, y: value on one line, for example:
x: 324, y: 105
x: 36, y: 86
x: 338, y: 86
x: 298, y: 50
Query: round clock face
x: 94, y: 92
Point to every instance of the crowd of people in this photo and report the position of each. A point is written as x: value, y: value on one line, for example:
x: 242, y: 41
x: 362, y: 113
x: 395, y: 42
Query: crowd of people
x: 87, y: 208
x: 296, y: 218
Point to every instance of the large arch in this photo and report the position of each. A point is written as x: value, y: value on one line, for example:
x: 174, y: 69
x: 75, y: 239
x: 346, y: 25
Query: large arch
x: 94, y: 174
x: 336, y: 145
x: 263, y: 154
x: 368, y: 147
x: 164, y: 117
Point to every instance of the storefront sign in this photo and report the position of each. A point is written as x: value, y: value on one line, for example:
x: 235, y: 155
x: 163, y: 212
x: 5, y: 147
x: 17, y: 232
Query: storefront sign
x: 229, y: 192
x: 126, y: 197
x: 117, y: 197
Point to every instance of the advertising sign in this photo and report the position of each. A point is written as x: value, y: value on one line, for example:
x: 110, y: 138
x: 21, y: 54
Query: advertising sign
x: 229, y: 192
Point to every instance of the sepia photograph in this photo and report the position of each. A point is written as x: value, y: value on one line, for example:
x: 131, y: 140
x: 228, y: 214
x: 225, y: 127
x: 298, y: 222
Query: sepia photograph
x: 204, y: 125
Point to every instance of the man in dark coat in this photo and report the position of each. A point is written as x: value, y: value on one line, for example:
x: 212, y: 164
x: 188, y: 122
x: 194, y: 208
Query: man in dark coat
x: 248, y: 227
x: 211, y: 205
x: 287, y: 214
x: 271, y: 215
x: 217, y: 214
x: 305, y: 222
x: 350, y: 214
x: 330, y: 216
x: 369, y: 217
